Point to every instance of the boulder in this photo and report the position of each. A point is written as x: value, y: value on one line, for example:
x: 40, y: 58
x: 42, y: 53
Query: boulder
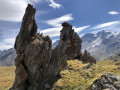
x: 107, y: 81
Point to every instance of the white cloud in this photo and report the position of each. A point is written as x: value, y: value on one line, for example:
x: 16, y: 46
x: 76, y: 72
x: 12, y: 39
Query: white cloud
x: 37, y: 0
x: 52, y: 32
x: 56, y: 24
x: 113, y: 12
x: 54, y: 5
x: 9, y: 41
x: 105, y: 25
x: 79, y: 29
x: 5, y: 47
x: 115, y: 27
x: 12, y: 10
x: 57, y: 21
x: 54, y: 40
x: 81, y: 35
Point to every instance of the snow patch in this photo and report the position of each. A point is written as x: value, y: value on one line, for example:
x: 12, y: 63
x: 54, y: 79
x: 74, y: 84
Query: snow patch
x: 96, y: 42
x: 95, y: 35
x: 115, y: 34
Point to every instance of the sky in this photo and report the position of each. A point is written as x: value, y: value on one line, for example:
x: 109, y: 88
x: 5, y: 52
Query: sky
x: 86, y: 16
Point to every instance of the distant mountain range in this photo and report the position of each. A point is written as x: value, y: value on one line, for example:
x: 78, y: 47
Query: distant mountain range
x: 55, y: 44
x: 101, y: 45
x: 7, y: 57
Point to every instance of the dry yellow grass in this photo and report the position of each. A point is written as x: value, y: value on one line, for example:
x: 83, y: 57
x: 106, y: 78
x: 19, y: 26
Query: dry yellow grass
x: 73, y: 78
x: 77, y: 78
x: 7, y: 75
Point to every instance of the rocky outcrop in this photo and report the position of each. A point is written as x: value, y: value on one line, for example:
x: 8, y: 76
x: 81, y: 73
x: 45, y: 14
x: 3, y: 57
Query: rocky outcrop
x: 87, y: 58
x: 33, y: 54
x: 107, y: 82
x: 74, y: 41
x: 37, y: 65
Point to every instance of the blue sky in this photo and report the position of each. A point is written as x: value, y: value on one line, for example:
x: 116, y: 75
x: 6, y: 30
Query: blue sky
x: 85, y: 15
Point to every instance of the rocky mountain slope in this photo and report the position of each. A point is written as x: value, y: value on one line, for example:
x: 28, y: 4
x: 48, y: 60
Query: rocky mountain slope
x: 102, y: 45
x: 7, y: 57
x: 55, y: 44
x: 1, y: 51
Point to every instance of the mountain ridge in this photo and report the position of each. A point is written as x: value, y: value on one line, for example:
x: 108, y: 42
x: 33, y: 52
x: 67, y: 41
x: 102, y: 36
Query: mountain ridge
x: 109, y: 40
x: 102, y: 45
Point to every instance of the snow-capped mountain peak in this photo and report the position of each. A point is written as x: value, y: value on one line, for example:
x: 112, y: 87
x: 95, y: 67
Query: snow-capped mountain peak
x: 102, y: 44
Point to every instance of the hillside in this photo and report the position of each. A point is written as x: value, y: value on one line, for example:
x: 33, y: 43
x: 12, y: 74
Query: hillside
x: 74, y: 77
x: 77, y: 78
x: 7, y: 75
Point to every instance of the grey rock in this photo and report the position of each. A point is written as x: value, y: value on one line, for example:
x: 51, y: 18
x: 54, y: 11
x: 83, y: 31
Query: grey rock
x: 107, y: 81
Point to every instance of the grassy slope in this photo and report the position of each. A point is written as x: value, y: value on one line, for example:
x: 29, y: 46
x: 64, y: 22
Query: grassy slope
x: 73, y: 78
x: 77, y: 78
x: 7, y: 75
